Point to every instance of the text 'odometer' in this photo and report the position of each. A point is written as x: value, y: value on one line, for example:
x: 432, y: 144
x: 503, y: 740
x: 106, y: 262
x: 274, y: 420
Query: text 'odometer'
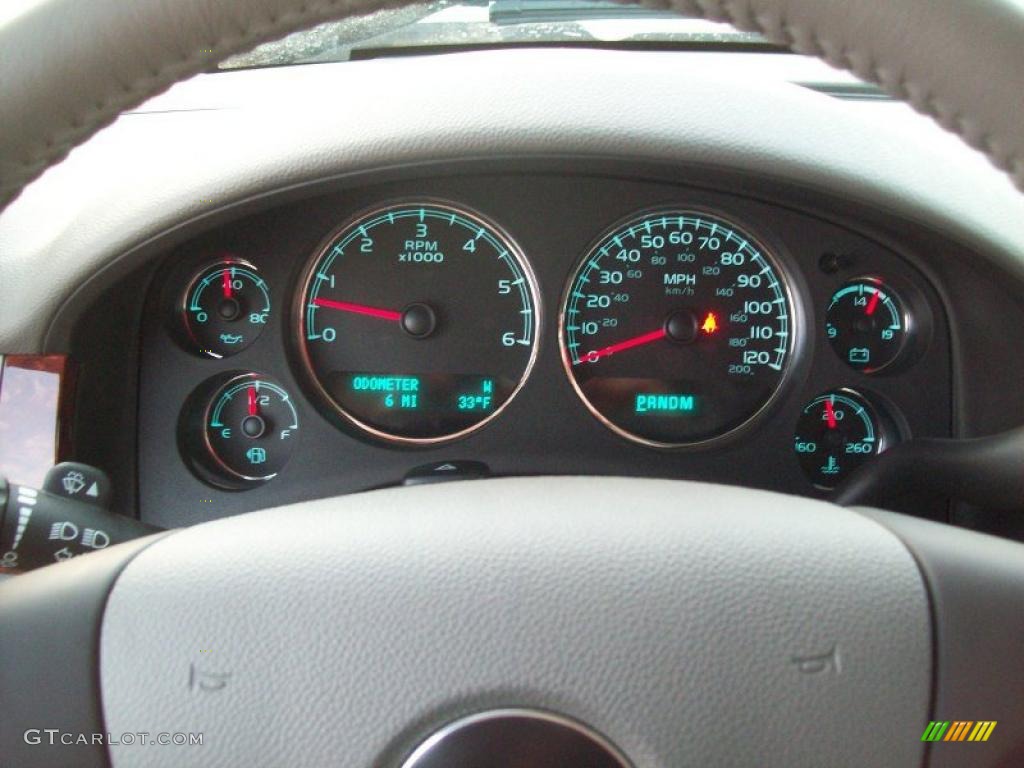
x: 677, y: 328
x: 418, y: 321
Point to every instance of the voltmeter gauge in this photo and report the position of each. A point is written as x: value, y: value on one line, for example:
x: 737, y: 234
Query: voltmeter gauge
x: 866, y: 324
x: 837, y: 432
x: 239, y: 430
x: 226, y: 307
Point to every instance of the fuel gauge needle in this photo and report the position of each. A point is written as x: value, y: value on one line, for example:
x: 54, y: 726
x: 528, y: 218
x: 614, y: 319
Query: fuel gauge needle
x: 253, y: 406
x: 358, y: 309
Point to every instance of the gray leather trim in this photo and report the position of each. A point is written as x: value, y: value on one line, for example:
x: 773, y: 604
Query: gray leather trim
x: 49, y: 647
x: 221, y: 138
x: 976, y: 584
x: 691, y: 624
x: 69, y: 67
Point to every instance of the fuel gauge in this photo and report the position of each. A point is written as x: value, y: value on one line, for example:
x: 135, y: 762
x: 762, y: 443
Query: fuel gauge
x: 837, y: 432
x: 239, y: 430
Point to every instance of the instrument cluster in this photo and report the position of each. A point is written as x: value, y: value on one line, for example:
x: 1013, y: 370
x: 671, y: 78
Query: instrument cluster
x: 686, y: 325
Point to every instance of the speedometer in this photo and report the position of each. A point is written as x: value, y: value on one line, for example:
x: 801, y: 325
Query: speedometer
x: 677, y: 328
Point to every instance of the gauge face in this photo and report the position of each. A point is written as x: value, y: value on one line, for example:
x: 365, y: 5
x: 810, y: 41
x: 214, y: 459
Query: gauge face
x: 837, y: 432
x: 866, y: 324
x: 240, y: 429
x: 677, y: 328
x: 417, y: 322
x: 226, y: 307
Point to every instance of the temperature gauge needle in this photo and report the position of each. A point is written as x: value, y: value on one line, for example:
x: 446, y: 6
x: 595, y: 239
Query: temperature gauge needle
x: 830, y: 414
x: 636, y: 341
x: 359, y: 309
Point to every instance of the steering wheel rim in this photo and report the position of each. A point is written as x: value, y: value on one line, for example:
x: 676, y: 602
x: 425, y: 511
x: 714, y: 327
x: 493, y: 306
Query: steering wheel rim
x: 947, y: 58
x: 968, y: 581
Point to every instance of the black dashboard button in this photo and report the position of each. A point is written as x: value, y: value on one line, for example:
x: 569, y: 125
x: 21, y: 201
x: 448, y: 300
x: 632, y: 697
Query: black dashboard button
x: 442, y: 471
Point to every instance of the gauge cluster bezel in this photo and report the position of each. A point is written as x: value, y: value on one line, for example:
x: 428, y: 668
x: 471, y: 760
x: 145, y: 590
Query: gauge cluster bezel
x: 554, y: 211
x: 791, y: 288
x: 300, y: 351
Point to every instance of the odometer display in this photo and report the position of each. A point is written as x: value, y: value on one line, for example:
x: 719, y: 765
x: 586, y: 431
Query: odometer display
x: 677, y: 328
x: 418, y: 321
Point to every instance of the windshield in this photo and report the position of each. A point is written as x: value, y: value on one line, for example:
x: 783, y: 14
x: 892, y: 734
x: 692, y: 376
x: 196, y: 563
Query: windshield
x: 446, y: 26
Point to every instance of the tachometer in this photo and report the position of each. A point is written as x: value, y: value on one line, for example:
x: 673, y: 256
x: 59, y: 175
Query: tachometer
x: 417, y: 321
x: 677, y: 328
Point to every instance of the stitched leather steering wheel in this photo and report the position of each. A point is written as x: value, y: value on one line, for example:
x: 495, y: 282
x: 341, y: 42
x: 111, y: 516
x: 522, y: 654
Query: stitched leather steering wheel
x: 68, y: 67
x: 687, y: 624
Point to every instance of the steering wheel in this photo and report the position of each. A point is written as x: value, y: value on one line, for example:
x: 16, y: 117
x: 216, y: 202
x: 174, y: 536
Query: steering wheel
x: 667, y: 623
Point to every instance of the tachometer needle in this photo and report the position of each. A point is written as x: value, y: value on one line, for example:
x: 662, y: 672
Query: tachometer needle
x: 872, y: 303
x: 253, y: 406
x: 636, y: 341
x: 359, y: 309
x: 830, y: 414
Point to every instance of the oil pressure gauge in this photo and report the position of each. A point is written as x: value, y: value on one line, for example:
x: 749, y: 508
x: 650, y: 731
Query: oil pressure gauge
x: 239, y: 430
x: 225, y: 308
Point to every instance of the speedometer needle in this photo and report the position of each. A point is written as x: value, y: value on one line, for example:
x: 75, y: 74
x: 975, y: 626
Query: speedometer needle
x: 636, y: 341
x: 359, y: 309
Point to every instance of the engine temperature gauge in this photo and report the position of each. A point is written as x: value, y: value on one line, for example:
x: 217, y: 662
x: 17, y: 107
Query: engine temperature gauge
x: 866, y: 324
x: 239, y: 431
x: 837, y: 432
x: 225, y: 308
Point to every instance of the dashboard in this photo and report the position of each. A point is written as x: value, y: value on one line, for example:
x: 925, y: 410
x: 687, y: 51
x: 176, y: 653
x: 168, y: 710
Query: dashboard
x: 535, y: 317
